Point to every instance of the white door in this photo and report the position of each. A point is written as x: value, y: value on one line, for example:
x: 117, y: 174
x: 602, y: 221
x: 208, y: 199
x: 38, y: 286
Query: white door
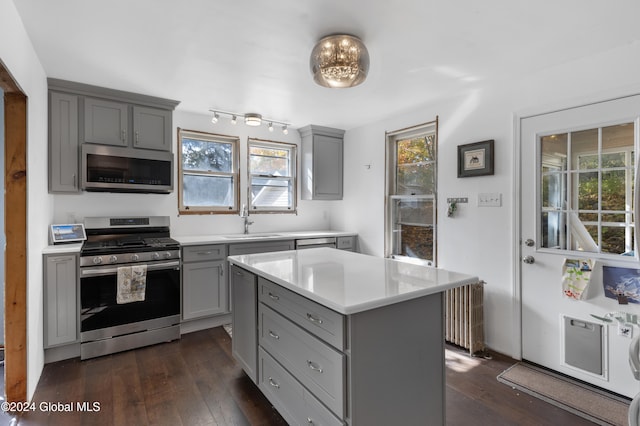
x: 577, y: 179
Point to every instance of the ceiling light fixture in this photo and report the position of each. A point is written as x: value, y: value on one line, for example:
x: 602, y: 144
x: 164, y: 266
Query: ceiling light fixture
x: 339, y: 61
x: 250, y: 119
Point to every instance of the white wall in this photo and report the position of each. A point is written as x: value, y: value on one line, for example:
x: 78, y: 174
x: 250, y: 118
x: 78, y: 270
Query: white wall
x: 19, y: 57
x: 478, y: 240
x: 312, y: 215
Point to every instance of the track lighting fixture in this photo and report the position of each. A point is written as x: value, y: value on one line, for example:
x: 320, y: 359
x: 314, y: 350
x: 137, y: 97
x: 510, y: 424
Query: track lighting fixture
x: 250, y: 119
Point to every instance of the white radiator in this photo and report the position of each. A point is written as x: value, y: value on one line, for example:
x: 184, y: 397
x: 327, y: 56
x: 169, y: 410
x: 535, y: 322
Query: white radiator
x: 463, y: 312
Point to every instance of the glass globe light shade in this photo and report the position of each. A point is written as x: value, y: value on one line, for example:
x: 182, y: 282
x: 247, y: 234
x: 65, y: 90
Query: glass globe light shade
x: 339, y: 61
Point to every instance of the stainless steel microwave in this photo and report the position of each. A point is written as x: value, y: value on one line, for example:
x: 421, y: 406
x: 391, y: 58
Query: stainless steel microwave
x: 116, y: 169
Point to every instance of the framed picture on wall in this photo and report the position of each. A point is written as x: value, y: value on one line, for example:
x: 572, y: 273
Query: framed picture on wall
x: 475, y: 159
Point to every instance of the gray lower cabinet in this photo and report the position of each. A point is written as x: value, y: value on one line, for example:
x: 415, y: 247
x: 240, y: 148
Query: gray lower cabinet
x: 260, y: 247
x: 244, y: 343
x: 317, y: 366
x: 60, y: 299
x: 63, y: 143
x: 204, y: 281
x: 346, y: 243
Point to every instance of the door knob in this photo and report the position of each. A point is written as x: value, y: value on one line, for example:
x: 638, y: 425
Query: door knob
x: 529, y: 242
x: 529, y: 260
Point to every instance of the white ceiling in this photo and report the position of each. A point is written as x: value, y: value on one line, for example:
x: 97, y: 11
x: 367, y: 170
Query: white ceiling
x: 253, y: 55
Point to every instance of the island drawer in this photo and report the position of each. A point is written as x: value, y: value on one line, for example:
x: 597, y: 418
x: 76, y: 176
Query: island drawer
x: 296, y: 404
x: 204, y: 253
x: 318, y: 366
x: 321, y: 321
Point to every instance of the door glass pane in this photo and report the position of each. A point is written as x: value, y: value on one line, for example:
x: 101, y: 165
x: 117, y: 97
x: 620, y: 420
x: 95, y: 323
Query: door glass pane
x: 553, y: 190
x: 554, y: 151
x: 613, y: 239
x: 613, y: 190
x: 587, y: 191
x: 584, y: 146
x: 553, y: 224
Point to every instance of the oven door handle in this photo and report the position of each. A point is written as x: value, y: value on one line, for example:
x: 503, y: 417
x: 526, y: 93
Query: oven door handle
x: 111, y: 270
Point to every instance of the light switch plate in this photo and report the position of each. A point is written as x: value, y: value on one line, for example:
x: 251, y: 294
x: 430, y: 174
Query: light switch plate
x: 489, y: 199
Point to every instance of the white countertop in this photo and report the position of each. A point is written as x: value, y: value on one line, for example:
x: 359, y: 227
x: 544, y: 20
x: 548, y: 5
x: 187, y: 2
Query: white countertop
x: 349, y: 282
x: 258, y: 236
x: 62, y: 248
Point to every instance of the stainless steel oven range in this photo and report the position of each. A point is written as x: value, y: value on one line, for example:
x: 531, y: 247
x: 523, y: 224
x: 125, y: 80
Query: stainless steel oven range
x: 108, y: 321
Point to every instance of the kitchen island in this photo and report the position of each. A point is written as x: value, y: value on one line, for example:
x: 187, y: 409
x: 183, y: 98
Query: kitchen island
x: 333, y: 337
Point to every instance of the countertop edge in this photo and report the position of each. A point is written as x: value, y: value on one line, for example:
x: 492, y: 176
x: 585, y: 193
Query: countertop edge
x: 354, y: 309
x: 194, y: 240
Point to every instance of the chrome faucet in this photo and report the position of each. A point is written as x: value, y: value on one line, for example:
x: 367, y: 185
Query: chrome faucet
x: 245, y: 214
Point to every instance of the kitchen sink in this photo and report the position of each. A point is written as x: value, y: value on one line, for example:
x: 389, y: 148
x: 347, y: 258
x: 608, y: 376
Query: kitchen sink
x: 252, y: 236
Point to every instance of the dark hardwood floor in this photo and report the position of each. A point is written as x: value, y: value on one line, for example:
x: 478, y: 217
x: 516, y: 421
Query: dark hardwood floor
x: 194, y: 381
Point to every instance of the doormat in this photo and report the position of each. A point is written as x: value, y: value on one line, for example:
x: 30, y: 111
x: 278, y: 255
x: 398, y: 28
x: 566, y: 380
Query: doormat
x: 585, y: 401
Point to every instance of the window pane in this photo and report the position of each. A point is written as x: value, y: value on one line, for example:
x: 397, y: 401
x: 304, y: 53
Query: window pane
x: 553, y: 190
x: 269, y: 161
x: 206, y: 155
x: 588, y: 191
x: 553, y: 225
x: 207, y: 191
x: 613, y: 190
x: 416, y: 179
x: 584, y: 145
x: 416, y: 241
x: 613, y: 240
x: 271, y: 193
x: 415, y: 168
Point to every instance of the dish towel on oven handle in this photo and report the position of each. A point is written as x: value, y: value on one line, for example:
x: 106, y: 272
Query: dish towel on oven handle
x: 132, y: 284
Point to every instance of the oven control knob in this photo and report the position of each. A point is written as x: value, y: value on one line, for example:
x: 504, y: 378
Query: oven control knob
x: 113, y: 259
x: 97, y: 260
x: 134, y: 257
x: 167, y: 255
x: 156, y: 256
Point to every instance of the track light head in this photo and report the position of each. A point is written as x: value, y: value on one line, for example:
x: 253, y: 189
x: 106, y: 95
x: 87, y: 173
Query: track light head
x: 215, y: 118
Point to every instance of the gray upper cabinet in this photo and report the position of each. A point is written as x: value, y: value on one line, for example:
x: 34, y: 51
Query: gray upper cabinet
x: 322, y: 163
x: 105, y: 122
x: 63, y: 143
x: 151, y: 128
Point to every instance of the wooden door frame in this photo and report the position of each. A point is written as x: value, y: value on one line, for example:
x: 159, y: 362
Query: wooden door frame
x: 15, y: 174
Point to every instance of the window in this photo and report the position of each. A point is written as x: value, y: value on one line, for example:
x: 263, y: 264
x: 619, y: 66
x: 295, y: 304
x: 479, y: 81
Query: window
x: 586, y: 194
x: 410, y: 231
x: 272, y: 176
x: 208, y: 173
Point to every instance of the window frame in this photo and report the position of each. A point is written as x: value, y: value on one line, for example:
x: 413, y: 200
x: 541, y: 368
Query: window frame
x: 234, y: 141
x: 293, y: 168
x: 392, y: 139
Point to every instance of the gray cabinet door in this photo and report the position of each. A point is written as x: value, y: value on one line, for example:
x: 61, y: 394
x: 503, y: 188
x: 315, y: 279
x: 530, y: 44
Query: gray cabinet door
x: 244, y: 316
x: 327, y: 168
x: 151, y: 128
x: 105, y: 122
x: 63, y: 143
x: 60, y: 300
x: 204, y: 289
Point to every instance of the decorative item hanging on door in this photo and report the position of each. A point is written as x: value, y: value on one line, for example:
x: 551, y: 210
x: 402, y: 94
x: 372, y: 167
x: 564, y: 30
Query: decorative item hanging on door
x: 576, y: 276
x: 622, y: 284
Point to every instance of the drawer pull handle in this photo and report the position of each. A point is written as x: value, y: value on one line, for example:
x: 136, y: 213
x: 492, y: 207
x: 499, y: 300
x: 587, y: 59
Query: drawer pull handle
x: 314, y: 319
x: 204, y: 253
x: 315, y: 367
x: 274, y: 384
x: 273, y: 296
x: 274, y: 335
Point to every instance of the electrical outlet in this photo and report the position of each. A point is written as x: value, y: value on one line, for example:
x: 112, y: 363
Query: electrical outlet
x: 490, y: 199
x: 625, y: 330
